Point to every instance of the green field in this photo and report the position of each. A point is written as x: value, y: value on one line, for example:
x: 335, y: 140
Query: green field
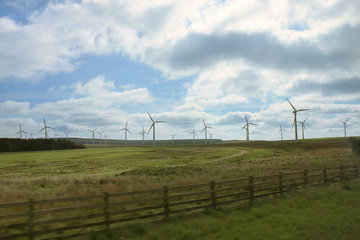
x: 51, y: 174
x: 323, y: 213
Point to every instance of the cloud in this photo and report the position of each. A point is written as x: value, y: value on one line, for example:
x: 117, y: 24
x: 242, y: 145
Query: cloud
x: 102, y: 93
x: 10, y: 108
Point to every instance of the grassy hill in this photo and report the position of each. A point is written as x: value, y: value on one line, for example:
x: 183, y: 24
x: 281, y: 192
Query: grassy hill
x: 48, y: 174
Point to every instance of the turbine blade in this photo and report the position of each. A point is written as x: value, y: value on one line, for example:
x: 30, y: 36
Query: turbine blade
x: 150, y: 117
x: 305, y: 119
x: 128, y: 131
x: 246, y: 119
x: 204, y: 123
x: 291, y: 104
x: 160, y: 121
x: 304, y: 109
x: 151, y: 126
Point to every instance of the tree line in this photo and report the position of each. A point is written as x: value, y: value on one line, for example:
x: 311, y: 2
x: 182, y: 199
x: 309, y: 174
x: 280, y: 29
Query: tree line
x: 39, y: 144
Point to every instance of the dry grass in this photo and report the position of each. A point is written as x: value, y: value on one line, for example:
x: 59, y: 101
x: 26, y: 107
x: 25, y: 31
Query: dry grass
x: 92, y: 171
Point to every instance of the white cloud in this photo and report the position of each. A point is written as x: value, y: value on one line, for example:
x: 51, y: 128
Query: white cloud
x: 240, y: 54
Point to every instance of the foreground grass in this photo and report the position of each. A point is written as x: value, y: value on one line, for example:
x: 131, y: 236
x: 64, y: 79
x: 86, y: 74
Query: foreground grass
x: 330, y: 212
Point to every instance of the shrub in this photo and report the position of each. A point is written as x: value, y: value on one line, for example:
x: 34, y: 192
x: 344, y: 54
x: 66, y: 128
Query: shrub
x: 17, y: 144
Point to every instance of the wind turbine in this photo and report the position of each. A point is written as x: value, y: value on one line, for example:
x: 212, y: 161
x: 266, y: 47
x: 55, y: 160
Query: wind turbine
x: 153, y: 126
x: 100, y: 134
x: 20, y: 131
x: 172, y: 138
x: 211, y: 134
x: 67, y: 134
x: 246, y: 126
x: 105, y: 136
x: 46, y: 129
x: 281, y: 130
x: 126, y: 130
x: 205, y: 129
x: 345, y: 122
x: 193, y: 133
x: 295, y: 122
x: 143, y: 136
x: 303, y: 127
x: 93, y: 134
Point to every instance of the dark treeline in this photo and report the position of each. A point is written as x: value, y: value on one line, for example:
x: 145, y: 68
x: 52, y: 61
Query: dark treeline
x: 17, y: 144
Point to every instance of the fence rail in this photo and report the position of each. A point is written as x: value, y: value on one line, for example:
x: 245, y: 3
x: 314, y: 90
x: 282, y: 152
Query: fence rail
x: 74, y: 216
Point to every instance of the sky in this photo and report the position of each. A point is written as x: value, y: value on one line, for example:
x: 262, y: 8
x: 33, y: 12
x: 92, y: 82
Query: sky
x: 86, y: 64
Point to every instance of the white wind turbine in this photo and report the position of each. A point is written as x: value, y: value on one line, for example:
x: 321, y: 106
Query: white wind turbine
x: 153, y: 126
x: 46, y: 127
x: 205, y: 129
x: 67, y: 134
x: 246, y: 126
x: 295, y: 121
x: 345, y: 122
x: 93, y: 134
x: 126, y: 130
x: 100, y: 135
x: 303, y: 127
x: 105, y: 137
x: 172, y: 138
x: 20, y: 131
x: 280, y: 131
x: 193, y: 133
x: 211, y: 134
x: 143, y: 135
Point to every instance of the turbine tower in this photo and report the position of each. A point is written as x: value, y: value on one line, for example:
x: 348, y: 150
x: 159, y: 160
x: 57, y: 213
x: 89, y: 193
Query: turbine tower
x: 295, y: 121
x: 246, y: 126
x: 105, y: 136
x: 303, y: 127
x: 281, y: 130
x: 20, y: 131
x: 153, y: 126
x: 93, y: 134
x: 345, y: 122
x: 46, y: 127
x: 205, y: 129
x: 126, y: 130
x: 193, y: 133
x: 172, y: 138
x: 143, y: 135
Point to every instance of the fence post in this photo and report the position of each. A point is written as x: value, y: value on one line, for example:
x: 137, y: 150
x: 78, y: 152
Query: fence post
x: 166, y: 201
x: 325, y: 175
x: 342, y: 172
x: 305, y: 177
x: 31, y: 219
x: 213, y: 194
x: 251, y: 189
x: 106, y: 210
x: 281, y: 183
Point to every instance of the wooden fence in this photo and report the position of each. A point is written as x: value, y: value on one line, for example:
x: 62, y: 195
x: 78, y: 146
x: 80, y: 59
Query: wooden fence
x: 74, y: 216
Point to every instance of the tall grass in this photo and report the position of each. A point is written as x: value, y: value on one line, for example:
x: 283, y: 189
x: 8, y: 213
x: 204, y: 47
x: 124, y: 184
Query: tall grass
x: 324, y: 213
x: 49, y: 174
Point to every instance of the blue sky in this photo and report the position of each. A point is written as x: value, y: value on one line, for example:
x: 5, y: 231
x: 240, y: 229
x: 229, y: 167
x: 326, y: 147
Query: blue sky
x: 86, y: 64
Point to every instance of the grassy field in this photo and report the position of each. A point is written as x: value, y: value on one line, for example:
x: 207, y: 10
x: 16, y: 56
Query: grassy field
x: 51, y: 174
x: 324, y: 213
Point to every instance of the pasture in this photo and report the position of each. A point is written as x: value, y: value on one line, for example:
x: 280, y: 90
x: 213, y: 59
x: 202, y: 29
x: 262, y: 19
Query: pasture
x: 52, y: 174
